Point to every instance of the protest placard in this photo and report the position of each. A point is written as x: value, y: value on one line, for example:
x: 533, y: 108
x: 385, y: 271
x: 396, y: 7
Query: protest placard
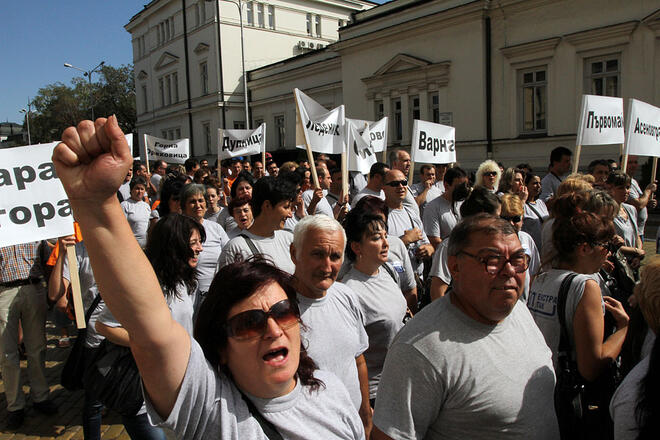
x: 361, y: 154
x: 377, y: 133
x: 33, y: 205
x: 643, y: 132
x: 234, y: 143
x: 322, y: 129
x: 432, y: 143
x: 171, y: 151
x: 601, y: 123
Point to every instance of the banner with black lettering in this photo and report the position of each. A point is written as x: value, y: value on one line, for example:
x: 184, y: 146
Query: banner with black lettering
x: 377, y: 132
x: 643, y: 133
x: 234, y: 143
x: 322, y: 129
x: 361, y: 154
x: 433, y: 143
x: 33, y: 204
x: 171, y: 151
x: 601, y: 121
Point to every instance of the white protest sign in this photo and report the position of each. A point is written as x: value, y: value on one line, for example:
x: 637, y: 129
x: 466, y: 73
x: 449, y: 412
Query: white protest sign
x: 377, y: 132
x: 234, y: 143
x: 643, y: 132
x: 361, y: 154
x: 601, y: 121
x: 433, y: 143
x: 175, y: 151
x: 323, y: 129
x: 33, y: 205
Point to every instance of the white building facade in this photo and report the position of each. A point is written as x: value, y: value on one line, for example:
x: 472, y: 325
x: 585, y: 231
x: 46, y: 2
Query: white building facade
x: 509, y: 75
x: 187, y: 88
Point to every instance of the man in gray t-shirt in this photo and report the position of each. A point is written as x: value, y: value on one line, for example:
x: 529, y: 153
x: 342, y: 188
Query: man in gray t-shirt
x: 333, y: 323
x: 473, y: 364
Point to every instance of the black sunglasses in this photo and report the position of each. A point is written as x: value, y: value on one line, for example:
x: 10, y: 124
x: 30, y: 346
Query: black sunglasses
x: 514, y: 219
x: 253, y: 323
x: 396, y: 183
x: 490, y: 173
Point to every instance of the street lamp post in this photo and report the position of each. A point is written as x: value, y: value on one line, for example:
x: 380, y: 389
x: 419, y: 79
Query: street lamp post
x: 239, y: 5
x: 27, y: 119
x: 88, y: 74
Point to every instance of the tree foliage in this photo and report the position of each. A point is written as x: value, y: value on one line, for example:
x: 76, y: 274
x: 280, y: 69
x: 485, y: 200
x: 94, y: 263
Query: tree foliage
x: 58, y: 106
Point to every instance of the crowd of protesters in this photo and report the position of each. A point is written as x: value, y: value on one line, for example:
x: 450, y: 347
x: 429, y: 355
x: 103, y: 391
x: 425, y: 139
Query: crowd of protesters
x: 258, y: 305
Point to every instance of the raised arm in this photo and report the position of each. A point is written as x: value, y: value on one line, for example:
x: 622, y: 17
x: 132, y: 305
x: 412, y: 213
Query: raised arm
x: 92, y: 161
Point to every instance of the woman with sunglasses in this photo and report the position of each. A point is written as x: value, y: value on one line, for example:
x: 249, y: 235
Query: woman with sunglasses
x: 247, y: 375
x: 377, y: 286
x: 582, y: 244
x: 488, y: 175
x: 513, y: 211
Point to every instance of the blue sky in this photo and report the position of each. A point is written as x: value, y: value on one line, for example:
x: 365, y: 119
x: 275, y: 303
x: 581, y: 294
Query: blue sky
x: 39, y: 36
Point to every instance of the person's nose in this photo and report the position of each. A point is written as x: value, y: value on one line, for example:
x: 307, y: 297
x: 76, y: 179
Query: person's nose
x: 273, y: 329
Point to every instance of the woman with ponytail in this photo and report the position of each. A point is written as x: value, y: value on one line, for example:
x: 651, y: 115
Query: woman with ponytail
x: 635, y: 407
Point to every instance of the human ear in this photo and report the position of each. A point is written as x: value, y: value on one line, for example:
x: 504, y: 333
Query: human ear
x: 452, y: 264
x: 292, y: 252
x: 355, y: 247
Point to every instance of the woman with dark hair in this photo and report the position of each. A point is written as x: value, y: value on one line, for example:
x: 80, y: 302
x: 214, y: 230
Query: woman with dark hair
x: 635, y: 406
x: 625, y: 222
x: 255, y: 334
x: 169, y: 196
x: 536, y: 212
x: 241, y: 211
x: 212, y: 196
x: 513, y: 182
x: 376, y: 284
x: 193, y: 204
x: 241, y: 187
x: 136, y: 210
x: 582, y: 242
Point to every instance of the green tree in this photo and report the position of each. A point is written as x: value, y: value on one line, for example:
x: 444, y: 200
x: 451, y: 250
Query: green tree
x: 58, y: 106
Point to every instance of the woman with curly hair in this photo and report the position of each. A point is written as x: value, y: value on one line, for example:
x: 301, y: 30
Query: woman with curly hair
x: 488, y: 175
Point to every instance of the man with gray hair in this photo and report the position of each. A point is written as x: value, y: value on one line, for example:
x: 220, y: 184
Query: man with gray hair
x: 400, y: 160
x: 334, y: 333
x: 472, y: 364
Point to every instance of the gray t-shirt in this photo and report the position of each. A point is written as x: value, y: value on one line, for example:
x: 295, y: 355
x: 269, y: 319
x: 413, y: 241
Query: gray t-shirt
x: 216, y: 240
x: 367, y: 192
x: 155, y: 181
x: 88, y: 289
x: 275, y: 248
x: 226, y: 220
x: 357, y: 183
x: 549, y: 185
x: 401, y: 220
x: 448, y: 376
x: 542, y: 304
x: 334, y: 335
x: 384, y: 307
x: 643, y: 214
x: 624, y: 402
x: 213, y: 216
x: 209, y: 406
x: 125, y: 190
x: 440, y: 219
x: 535, y: 214
x: 627, y: 229
x: 322, y: 207
x: 137, y: 214
x: 433, y: 193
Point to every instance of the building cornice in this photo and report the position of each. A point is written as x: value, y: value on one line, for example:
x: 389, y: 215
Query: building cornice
x: 653, y: 22
x: 531, y: 50
x: 612, y: 35
x: 403, y: 73
x: 306, y: 71
x: 331, y: 87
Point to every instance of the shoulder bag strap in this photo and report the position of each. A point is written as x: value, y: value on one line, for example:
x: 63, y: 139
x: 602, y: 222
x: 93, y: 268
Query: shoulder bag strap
x: 250, y: 244
x: 564, y: 340
x: 91, y: 309
x: 535, y: 212
x: 389, y: 270
x: 268, y: 428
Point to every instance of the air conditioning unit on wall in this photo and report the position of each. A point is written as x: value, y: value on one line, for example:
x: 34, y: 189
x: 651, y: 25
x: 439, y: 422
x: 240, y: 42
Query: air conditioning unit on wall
x: 302, y: 44
x: 311, y: 45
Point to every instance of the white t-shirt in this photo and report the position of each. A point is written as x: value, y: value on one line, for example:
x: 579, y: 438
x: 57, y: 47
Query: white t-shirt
x: 216, y: 240
x: 533, y: 222
x: 367, y: 192
x: 433, y: 193
x: 137, y: 214
x: 448, y: 376
x: 404, y: 219
x: 643, y: 214
x: 275, y: 248
x: 549, y: 185
x: 623, y: 405
x: 440, y: 219
x: 226, y: 220
x: 322, y: 207
x: 334, y: 334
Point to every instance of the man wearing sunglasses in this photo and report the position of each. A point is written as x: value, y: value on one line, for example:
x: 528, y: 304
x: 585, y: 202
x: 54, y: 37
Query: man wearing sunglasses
x: 400, y: 160
x: 473, y: 364
x: 334, y: 334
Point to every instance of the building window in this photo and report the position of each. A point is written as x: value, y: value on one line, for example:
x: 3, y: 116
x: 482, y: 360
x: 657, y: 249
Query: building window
x: 414, y: 108
x: 204, y: 77
x: 239, y: 125
x: 177, y: 133
x: 271, y: 17
x: 197, y: 22
x: 309, y: 24
x: 602, y: 76
x: 249, y: 12
x: 533, y: 93
x: 206, y: 130
x: 260, y: 14
x: 257, y: 123
x: 279, y: 129
x: 168, y: 86
x: 202, y: 11
x: 318, y: 25
x: 398, y: 121
x: 145, y: 102
x: 379, y: 110
x: 175, y: 87
x: 163, y: 134
x: 435, y: 108
x: 161, y: 91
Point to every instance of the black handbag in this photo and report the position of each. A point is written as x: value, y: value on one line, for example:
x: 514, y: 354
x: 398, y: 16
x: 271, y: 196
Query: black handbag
x: 581, y: 406
x: 113, y: 378
x: 74, y: 367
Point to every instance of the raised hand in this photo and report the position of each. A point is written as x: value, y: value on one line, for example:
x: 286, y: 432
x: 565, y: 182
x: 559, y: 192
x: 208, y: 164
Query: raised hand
x: 92, y: 160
